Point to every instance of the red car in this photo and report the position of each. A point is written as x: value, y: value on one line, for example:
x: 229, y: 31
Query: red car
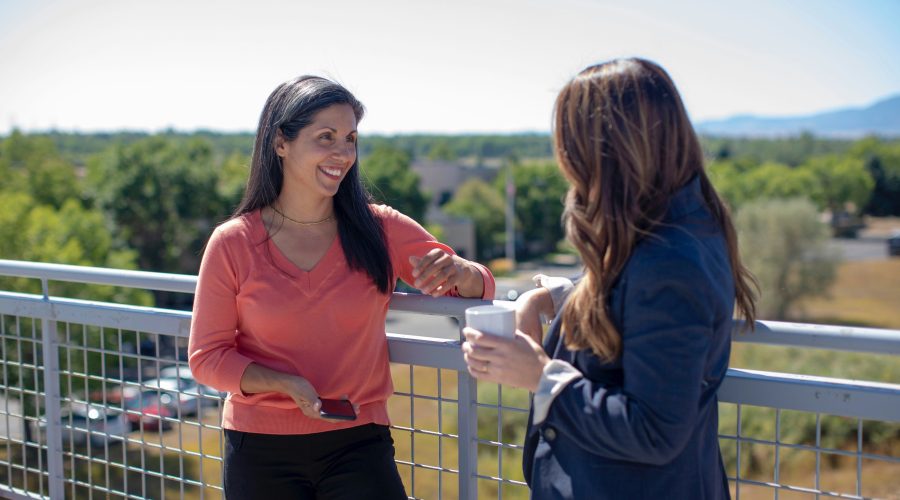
x: 151, y: 410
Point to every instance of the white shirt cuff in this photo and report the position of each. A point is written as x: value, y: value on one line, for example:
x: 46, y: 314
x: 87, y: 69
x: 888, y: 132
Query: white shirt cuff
x: 557, y: 375
x: 559, y: 288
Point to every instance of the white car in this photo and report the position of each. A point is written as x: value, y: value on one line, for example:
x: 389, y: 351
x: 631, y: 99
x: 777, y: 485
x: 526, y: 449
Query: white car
x: 82, y: 421
x: 191, y: 395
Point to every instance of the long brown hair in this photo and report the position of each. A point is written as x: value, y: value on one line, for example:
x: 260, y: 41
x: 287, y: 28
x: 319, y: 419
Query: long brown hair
x: 624, y: 141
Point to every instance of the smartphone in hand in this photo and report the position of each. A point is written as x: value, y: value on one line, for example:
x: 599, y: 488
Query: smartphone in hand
x: 339, y: 409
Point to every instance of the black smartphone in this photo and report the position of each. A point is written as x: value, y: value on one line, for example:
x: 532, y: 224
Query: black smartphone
x: 339, y: 409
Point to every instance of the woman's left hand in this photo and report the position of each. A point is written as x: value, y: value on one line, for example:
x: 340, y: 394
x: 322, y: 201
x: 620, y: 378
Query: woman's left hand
x: 438, y: 272
x: 517, y: 361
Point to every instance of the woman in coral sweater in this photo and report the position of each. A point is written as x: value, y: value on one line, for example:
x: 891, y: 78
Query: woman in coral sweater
x: 291, y: 302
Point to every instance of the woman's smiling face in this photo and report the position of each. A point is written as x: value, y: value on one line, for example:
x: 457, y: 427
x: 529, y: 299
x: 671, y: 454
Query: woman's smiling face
x: 318, y: 159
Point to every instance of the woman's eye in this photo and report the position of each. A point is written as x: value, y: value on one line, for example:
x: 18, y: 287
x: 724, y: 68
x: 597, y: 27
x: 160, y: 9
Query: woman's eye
x: 326, y: 136
x: 351, y: 139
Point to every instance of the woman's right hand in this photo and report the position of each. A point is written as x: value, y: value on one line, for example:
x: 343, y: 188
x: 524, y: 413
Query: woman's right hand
x: 257, y: 378
x: 304, y: 394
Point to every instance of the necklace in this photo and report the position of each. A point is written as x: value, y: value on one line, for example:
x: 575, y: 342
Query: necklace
x: 295, y: 221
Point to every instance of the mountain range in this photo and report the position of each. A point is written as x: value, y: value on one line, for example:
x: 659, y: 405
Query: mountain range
x: 881, y: 118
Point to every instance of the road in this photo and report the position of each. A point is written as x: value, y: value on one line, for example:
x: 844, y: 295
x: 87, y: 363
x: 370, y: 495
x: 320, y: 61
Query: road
x: 867, y: 248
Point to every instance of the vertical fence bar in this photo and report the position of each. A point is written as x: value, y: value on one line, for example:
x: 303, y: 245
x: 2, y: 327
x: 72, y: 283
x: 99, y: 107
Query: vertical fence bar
x: 53, y: 398
x: 777, y: 451
x: 859, y: 447
x: 467, y: 420
x: 737, y: 474
x: 818, y: 454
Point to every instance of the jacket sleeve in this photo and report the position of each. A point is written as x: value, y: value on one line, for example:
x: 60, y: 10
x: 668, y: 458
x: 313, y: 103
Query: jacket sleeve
x: 407, y: 238
x: 212, y: 352
x: 667, y: 324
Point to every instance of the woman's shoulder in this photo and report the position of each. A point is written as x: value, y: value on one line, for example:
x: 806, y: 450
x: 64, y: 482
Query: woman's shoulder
x: 237, y: 229
x: 392, y: 217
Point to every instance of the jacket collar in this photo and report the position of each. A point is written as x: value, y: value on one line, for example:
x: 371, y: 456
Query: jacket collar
x: 686, y: 200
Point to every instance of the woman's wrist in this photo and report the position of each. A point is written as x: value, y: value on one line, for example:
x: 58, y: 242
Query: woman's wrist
x: 473, y: 284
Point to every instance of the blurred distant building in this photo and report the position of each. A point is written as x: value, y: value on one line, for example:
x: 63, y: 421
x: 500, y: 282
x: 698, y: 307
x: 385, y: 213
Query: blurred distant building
x: 441, y: 178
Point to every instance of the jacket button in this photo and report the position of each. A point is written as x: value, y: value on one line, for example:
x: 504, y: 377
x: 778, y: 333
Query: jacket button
x: 549, y: 434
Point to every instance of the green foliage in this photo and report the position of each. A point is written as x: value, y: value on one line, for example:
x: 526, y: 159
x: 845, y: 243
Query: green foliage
x: 441, y: 150
x: 232, y: 179
x: 32, y: 164
x: 836, y: 183
x: 162, y: 197
x: 784, y: 244
x: 841, y: 181
x: 540, y: 189
x: 480, y: 202
x: 882, y: 161
x: 68, y: 235
x: 388, y: 177
x: 463, y: 146
x: 791, y: 151
x: 769, y: 180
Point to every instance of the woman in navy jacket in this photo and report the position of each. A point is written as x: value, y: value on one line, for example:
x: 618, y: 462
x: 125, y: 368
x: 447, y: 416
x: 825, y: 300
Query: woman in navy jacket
x: 625, y: 384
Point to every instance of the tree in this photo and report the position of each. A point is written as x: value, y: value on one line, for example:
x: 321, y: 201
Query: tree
x: 68, y: 235
x: 784, y: 244
x: 387, y: 175
x: 778, y: 181
x: 441, y: 150
x: 480, y: 202
x: 844, y: 183
x: 232, y: 179
x: 540, y: 189
x: 162, y: 196
x: 741, y: 181
x: 882, y: 161
x: 33, y: 164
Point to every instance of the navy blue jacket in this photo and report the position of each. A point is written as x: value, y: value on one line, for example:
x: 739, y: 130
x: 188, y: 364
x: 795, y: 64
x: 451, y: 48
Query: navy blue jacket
x: 646, y: 425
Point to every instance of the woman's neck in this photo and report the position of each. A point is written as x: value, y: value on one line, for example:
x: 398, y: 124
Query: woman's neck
x: 304, y: 209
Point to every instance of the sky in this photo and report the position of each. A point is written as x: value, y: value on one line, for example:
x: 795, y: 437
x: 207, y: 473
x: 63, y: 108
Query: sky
x: 422, y: 66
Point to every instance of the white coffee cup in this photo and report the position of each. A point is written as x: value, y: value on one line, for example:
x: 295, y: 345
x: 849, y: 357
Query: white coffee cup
x: 495, y: 320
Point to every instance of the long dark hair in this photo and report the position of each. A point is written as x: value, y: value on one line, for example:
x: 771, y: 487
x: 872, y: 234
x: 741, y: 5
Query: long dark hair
x: 624, y: 141
x: 290, y: 107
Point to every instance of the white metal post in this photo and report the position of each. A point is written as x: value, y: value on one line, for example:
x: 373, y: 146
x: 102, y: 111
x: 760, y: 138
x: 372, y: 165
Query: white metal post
x: 52, y: 401
x: 468, y: 432
x: 467, y: 423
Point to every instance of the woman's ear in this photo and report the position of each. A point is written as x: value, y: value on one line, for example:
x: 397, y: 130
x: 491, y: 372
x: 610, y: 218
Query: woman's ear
x: 280, y: 148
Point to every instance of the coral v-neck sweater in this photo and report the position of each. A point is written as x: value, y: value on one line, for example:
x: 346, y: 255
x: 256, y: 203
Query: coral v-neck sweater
x: 252, y: 304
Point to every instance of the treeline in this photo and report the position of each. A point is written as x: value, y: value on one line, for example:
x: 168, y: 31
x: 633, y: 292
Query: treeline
x: 135, y: 200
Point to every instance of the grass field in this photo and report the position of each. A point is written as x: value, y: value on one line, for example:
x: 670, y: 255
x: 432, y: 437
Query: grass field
x: 865, y: 293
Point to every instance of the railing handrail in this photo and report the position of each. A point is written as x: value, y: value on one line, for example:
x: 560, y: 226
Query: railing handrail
x: 841, y: 338
x: 167, y: 282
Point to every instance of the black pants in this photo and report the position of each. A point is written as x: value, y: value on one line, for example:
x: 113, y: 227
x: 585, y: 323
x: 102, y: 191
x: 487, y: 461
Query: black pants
x: 355, y: 463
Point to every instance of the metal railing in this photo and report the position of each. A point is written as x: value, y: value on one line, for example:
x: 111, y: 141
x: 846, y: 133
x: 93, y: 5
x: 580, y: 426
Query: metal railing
x: 67, y: 429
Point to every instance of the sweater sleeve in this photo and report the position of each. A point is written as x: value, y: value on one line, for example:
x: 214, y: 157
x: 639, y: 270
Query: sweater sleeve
x: 212, y: 352
x: 407, y: 238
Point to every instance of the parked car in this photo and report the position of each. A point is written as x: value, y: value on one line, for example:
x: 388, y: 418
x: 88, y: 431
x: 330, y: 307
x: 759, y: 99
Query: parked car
x: 210, y: 395
x: 191, y: 395
x: 82, y: 421
x: 893, y: 243
x: 151, y: 410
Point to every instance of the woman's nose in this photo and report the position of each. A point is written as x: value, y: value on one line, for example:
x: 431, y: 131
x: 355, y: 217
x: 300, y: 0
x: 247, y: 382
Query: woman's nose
x: 344, y: 151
